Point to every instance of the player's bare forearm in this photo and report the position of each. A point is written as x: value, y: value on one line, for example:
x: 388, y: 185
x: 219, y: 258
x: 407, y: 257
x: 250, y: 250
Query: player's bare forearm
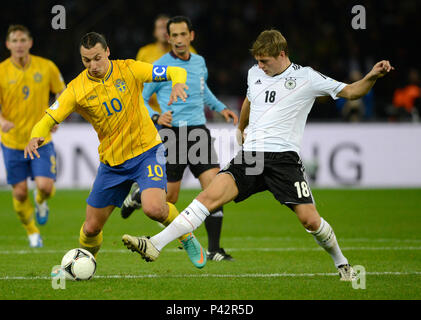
x: 244, y: 115
x: 5, y: 125
x: 361, y: 87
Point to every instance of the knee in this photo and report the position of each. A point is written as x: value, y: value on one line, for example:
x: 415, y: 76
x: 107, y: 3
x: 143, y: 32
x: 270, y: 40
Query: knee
x: 156, y: 211
x: 311, y: 223
x: 20, y: 193
x: 46, y: 188
x: 308, y: 216
x: 91, y: 229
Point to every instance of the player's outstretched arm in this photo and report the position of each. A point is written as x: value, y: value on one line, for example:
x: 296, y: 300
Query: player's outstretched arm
x: 361, y: 87
x: 38, y: 134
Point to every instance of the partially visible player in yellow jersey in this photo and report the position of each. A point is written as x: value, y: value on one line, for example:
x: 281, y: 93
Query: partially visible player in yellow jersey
x: 108, y: 95
x: 153, y: 51
x: 26, y: 82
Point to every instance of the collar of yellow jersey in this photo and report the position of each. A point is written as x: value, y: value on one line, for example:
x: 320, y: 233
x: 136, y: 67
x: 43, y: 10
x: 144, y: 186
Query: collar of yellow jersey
x: 106, y: 77
x: 25, y: 67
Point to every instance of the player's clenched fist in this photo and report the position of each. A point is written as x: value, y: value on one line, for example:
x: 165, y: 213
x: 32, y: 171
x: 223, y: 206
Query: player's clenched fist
x: 32, y: 146
x: 382, y: 68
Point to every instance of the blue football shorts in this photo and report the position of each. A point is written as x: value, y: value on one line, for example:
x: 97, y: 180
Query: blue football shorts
x: 19, y: 169
x: 112, y: 184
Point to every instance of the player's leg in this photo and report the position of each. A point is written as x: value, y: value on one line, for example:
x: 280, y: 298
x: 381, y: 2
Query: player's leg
x: 324, y: 236
x: 221, y: 191
x: 44, y: 171
x: 110, y: 187
x: 18, y: 170
x: 285, y: 178
x: 232, y: 183
x: 152, y: 180
x: 213, y: 222
x: 44, y: 190
x: 25, y: 211
x: 173, y: 190
x: 90, y: 236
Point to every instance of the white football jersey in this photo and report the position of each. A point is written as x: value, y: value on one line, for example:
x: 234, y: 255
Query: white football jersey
x: 280, y: 106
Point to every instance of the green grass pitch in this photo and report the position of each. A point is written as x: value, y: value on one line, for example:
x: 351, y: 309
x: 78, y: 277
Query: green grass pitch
x: 274, y: 257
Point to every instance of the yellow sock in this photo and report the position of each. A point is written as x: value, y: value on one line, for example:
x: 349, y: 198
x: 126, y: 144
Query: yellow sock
x: 41, y: 196
x: 172, y: 214
x: 92, y: 244
x: 25, y: 212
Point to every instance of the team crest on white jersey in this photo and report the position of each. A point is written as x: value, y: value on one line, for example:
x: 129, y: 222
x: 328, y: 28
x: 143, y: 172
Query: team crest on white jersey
x: 290, y: 83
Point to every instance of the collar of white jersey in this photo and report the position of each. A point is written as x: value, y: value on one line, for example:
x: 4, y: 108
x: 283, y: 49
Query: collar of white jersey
x: 285, y: 72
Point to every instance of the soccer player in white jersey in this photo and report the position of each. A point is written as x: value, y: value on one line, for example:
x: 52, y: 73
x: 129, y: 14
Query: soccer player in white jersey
x: 279, y: 97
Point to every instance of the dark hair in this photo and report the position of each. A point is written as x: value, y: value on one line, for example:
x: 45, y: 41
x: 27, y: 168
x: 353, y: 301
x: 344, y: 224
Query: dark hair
x: 90, y: 40
x: 162, y: 16
x: 179, y: 19
x: 18, y: 27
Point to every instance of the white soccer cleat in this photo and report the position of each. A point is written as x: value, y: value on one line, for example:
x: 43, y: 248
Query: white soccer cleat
x: 35, y: 240
x: 142, y: 245
x: 346, y: 273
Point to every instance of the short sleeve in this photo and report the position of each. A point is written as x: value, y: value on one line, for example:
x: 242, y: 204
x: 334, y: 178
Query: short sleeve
x: 56, y: 80
x: 324, y: 86
x: 63, y: 106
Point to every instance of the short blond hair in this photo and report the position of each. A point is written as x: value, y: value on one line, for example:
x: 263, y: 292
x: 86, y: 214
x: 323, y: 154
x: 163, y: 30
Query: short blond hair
x: 269, y: 43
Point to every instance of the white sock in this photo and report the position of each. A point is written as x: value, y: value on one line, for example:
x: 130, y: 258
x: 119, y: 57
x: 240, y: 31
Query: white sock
x: 326, y: 238
x: 187, y: 221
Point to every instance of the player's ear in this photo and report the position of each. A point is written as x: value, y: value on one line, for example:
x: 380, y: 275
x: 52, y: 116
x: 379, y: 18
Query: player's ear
x: 192, y: 34
x: 107, y: 51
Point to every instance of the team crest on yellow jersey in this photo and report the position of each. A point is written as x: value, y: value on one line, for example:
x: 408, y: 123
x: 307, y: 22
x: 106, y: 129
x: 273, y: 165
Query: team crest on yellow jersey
x: 37, y: 77
x: 120, y: 85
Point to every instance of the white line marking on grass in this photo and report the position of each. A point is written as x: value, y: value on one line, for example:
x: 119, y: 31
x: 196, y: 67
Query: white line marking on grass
x: 46, y: 251
x: 246, y: 238
x: 246, y: 275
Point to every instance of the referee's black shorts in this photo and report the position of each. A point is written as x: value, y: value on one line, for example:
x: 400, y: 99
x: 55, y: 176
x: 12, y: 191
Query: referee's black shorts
x: 282, y: 173
x: 190, y: 146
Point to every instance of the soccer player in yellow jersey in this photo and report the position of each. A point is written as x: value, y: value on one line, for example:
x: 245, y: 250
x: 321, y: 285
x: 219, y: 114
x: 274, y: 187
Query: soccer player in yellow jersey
x: 108, y: 95
x: 153, y: 51
x: 25, y: 85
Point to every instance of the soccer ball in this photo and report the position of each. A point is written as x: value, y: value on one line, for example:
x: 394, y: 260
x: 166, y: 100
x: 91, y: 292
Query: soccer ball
x: 78, y: 264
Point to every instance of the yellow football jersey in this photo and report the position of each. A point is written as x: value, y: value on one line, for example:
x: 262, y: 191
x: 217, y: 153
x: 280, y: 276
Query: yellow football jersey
x: 115, y: 108
x: 150, y: 53
x: 24, y: 96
